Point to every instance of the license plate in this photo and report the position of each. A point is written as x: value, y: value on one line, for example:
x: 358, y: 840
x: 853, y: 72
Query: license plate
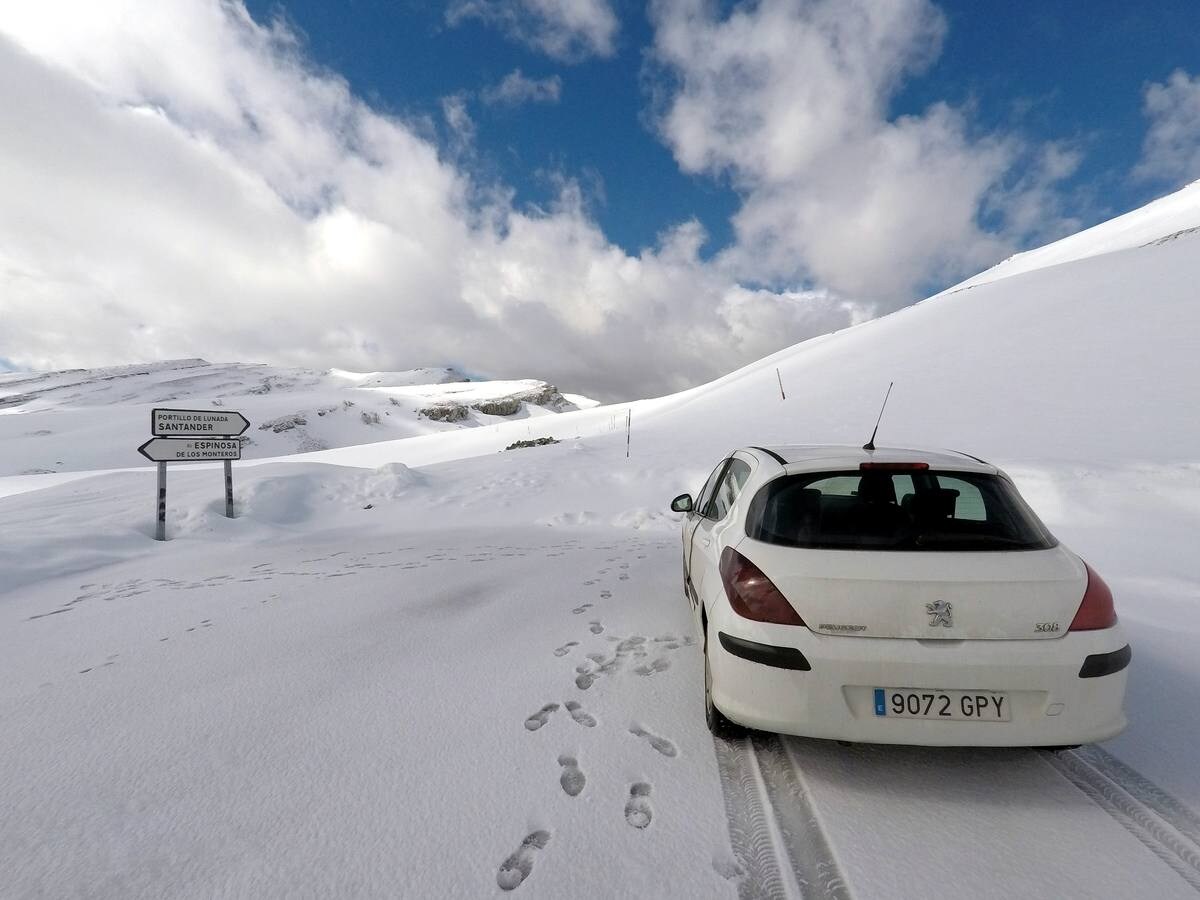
x: 915, y: 703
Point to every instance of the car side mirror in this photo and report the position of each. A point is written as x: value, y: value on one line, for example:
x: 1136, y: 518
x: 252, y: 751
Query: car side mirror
x: 682, y: 503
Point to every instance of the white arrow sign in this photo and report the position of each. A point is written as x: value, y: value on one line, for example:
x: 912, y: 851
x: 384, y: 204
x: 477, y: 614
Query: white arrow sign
x: 191, y: 449
x: 197, y: 423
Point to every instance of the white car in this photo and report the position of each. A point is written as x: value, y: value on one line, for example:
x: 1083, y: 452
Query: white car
x: 894, y: 597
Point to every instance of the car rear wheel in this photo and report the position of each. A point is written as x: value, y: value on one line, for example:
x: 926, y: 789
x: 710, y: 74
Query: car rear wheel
x: 717, y: 723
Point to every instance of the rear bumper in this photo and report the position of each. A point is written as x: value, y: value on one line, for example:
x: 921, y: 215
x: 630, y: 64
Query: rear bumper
x: 1051, y: 704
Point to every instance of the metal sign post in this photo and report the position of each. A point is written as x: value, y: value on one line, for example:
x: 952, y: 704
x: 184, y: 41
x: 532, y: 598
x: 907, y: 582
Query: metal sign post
x: 192, y: 435
x: 160, y: 528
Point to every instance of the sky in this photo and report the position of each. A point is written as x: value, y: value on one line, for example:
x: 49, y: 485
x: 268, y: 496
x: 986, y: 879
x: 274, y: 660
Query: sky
x: 623, y: 199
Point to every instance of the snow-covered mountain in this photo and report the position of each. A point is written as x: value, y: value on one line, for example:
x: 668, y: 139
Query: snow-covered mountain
x: 437, y: 667
x: 87, y: 418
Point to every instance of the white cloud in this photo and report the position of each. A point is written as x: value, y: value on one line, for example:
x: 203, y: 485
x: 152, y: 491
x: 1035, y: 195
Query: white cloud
x: 790, y: 101
x: 516, y: 88
x: 458, y: 121
x: 177, y: 182
x: 1172, y: 148
x: 567, y: 30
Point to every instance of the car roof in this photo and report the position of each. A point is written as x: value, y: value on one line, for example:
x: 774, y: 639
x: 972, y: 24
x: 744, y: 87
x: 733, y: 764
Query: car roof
x: 819, y: 457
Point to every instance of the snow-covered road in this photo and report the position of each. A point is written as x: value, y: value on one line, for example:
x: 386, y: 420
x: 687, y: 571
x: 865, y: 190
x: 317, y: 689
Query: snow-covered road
x: 439, y: 714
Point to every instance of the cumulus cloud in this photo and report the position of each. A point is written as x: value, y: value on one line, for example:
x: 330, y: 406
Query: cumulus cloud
x: 1171, y: 151
x: 516, y: 88
x: 178, y: 181
x: 567, y: 30
x: 789, y: 99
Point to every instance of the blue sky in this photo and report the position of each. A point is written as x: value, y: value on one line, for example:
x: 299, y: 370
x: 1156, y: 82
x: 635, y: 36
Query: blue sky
x: 1054, y: 71
x: 624, y: 199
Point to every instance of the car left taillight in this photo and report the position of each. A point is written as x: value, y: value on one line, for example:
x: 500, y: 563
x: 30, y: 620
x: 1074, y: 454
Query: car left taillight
x: 1096, y: 611
x: 751, y: 593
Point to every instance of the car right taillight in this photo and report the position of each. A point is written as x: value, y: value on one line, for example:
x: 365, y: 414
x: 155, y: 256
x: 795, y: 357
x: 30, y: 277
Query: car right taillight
x: 751, y: 593
x: 1097, y: 610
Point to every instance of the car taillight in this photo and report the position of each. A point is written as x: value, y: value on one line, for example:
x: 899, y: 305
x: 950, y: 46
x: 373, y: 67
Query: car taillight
x: 751, y: 593
x: 1096, y: 611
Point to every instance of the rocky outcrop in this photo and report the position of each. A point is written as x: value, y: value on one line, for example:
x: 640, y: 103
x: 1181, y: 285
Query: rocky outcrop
x: 545, y: 395
x: 503, y: 406
x: 445, y: 412
x: 536, y: 442
x: 284, y: 423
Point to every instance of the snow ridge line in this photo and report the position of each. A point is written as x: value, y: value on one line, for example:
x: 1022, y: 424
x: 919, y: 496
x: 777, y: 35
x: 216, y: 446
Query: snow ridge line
x: 749, y: 833
x: 1133, y: 813
x: 813, y: 862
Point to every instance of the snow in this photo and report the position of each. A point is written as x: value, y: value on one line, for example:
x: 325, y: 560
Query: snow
x: 81, y: 419
x: 330, y: 694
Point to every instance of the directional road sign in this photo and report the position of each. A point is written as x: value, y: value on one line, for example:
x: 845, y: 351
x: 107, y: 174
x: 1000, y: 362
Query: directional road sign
x: 191, y: 449
x: 197, y: 423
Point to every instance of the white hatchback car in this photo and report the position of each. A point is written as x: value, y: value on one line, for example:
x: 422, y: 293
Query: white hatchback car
x: 894, y: 597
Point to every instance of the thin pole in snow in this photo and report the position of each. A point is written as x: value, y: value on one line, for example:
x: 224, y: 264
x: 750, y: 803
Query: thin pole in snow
x: 228, y: 489
x: 160, y: 526
x: 628, y: 420
x: 782, y: 395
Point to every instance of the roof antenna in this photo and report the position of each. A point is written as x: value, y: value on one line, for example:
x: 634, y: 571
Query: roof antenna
x: 870, y: 445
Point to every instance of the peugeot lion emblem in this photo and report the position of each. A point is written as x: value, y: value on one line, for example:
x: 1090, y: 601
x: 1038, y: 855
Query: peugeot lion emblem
x: 940, y: 613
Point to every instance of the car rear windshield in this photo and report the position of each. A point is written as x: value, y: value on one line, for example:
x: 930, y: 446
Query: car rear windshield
x: 895, y: 510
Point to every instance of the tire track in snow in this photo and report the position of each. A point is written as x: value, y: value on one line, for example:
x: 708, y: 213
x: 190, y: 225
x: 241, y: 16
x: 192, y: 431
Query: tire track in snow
x: 772, y: 822
x: 1183, y: 819
x: 1162, y: 824
x: 749, y: 834
x: 813, y: 862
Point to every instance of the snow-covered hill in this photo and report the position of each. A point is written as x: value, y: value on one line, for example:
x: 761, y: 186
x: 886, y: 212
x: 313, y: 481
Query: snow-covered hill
x: 437, y: 667
x: 86, y: 418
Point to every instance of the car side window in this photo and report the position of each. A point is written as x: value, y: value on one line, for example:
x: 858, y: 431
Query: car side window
x: 728, y: 489
x: 706, y: 492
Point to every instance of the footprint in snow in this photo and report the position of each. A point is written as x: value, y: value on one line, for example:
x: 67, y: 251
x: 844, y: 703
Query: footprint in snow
x: 585, y: 680
x: 638, y: 812
x: 662, y: 745
x: 519, y: 865
x: 572, y: 779
x: 661, y: 664
x: 595, y: 627
x: 605, y: 595
x: 582, y: 609
x: 578, y: 714
x: 541, y: 717
x: 565, y: 648
x: 622, y: 577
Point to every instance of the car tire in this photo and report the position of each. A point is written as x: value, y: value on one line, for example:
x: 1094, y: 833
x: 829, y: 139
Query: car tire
x: 715, y: 719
